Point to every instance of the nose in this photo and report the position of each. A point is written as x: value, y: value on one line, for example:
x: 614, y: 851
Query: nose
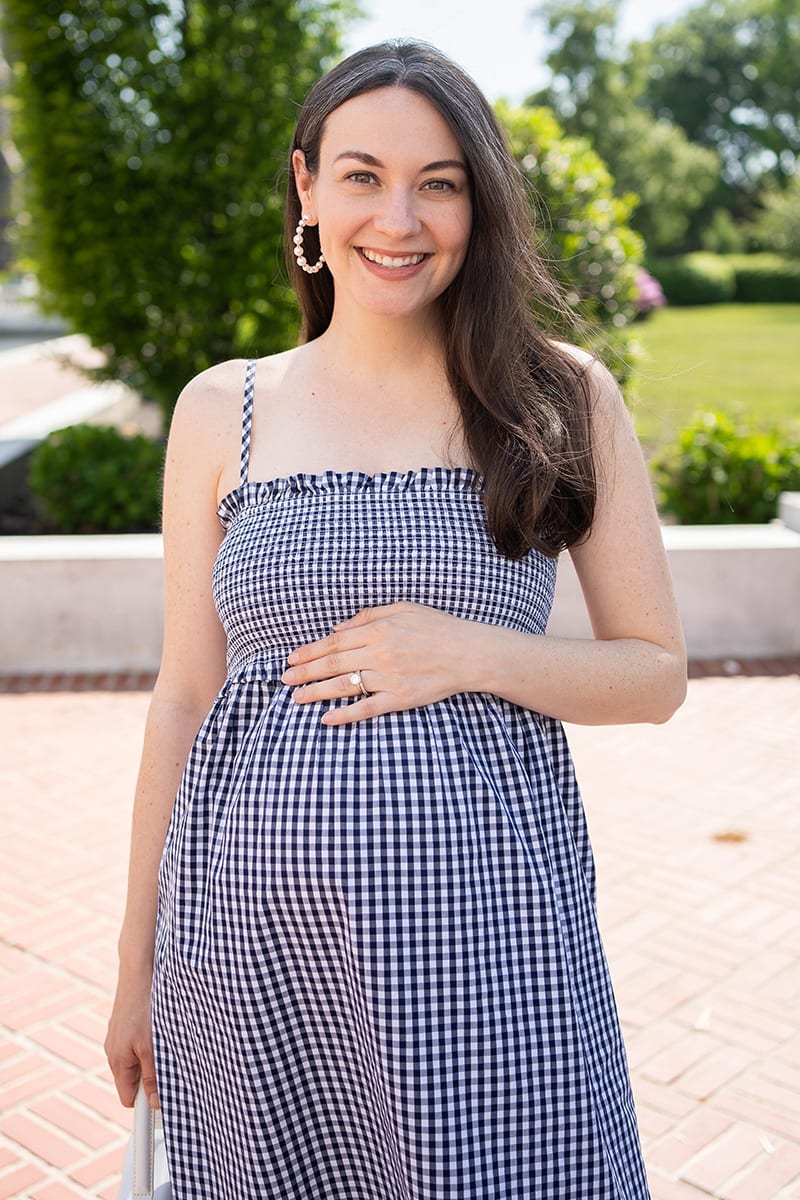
x: 397, y: 216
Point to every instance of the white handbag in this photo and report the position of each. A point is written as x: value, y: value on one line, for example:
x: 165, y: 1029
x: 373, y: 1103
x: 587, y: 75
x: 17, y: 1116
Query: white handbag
x: 145, y: 1175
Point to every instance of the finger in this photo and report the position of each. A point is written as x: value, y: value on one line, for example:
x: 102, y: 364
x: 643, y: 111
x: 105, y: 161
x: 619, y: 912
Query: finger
x: 334, y: 643
x: 359, y: 710
x: 367, y: 616
x: 331, y: 689
x: 363, y: 617
x: 149, y: 1079
x: 126, y: 1080
x: 328, y: 667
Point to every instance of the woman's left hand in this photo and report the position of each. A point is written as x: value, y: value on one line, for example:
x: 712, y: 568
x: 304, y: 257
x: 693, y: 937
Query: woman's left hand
x: 408, y: 655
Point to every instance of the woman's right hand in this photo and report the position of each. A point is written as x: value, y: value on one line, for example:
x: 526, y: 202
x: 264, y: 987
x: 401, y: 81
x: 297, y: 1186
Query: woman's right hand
x: 129, y: 1041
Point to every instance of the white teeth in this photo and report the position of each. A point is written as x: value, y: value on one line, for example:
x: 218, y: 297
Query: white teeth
x: 383, y: 260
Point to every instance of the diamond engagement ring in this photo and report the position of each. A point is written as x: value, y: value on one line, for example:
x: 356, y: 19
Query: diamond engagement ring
x: 358, y: 682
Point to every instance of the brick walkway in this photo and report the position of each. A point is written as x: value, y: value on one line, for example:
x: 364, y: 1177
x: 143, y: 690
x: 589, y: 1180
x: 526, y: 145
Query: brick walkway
x: 696, y: 827
x: 35, y: 375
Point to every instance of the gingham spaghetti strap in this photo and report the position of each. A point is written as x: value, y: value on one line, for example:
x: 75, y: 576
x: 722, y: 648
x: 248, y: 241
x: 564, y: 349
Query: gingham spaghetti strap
x: 247, y: 418
x: 378, y: 974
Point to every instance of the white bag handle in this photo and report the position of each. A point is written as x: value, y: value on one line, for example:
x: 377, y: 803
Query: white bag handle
x: 144, y: 1130
x: 145, y: 1174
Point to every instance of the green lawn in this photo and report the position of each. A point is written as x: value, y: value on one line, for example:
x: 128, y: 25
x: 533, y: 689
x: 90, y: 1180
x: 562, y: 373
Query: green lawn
x: 742, y: 359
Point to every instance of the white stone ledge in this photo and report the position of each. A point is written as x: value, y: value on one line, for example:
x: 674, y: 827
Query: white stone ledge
x: 95, y: 603
x: 789, y: 510
x: 729, y: 538
x: 81, y: 604
x: 738, y: 590
x: 89, y: 548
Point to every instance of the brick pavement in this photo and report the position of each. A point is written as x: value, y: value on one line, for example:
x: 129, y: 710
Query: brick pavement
x: 696, y: 828
x: 37, y: 374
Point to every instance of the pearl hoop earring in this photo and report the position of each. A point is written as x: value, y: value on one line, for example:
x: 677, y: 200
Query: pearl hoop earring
x: 299, y: 251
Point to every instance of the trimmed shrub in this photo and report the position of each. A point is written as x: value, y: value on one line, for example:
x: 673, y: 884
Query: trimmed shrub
x: 718, y: 473
x: 705, y: 278
x: 766, y: 279
x: 699, y: 278
x: 94, y: 479
x: 153, y: 134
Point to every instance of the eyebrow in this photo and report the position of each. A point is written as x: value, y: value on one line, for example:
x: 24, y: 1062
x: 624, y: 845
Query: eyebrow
x: 370, y: 160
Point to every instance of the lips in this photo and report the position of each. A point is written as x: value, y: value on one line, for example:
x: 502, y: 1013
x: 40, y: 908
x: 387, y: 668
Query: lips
x: 391, y: 260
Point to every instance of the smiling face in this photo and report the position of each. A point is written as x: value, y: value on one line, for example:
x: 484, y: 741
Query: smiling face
x: 393, y: 203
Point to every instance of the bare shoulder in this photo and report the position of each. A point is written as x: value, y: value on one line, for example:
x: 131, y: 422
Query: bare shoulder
x: 209, y: 395
x: 210, y: 405
x: 603, y: 387
x: 223, y: 384
x: 615, y: 446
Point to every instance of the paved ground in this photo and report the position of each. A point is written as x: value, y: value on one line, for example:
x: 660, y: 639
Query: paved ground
x: 696, y: 827
x: 37, y: 374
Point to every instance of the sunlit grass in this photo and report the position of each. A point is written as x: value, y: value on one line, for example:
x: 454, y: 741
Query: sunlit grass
x: 741, y: 359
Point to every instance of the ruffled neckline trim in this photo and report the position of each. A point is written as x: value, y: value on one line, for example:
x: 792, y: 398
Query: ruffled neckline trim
x: 307, y: 483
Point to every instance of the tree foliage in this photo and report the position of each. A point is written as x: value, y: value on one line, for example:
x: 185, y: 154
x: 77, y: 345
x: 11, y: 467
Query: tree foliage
x: 583, y: 226
x: 671, y: 176
x: 720, y: 473
x: 777, y: 227
x: 96, y: 479
x: 153, y: 135
x: 589, y: 84
x: 595, y: 92
x: 726, y: 73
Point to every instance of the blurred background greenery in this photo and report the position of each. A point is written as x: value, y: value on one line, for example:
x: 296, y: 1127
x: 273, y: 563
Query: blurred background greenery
x: 146, y: 148
x: 741, y: 359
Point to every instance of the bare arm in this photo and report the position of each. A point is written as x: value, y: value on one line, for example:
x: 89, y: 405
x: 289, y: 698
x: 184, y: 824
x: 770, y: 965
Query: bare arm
x: 633, y: 670
x: 192, y: 671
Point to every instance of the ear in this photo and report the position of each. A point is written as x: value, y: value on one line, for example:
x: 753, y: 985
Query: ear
x: 304, y: 181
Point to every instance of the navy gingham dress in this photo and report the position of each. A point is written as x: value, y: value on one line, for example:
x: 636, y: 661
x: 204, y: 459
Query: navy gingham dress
x: 378, y: 970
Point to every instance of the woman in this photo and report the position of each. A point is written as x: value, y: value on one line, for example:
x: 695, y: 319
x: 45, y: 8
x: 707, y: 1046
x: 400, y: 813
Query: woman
x: 376, y: 970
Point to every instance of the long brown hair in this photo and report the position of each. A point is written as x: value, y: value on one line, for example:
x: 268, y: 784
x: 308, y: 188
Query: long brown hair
x: 525, y: 402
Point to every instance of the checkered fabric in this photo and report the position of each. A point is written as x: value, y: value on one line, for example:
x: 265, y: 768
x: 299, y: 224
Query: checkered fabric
x: 378, y: 969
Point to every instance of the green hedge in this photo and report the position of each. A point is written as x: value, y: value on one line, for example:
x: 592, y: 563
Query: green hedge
x: 720, y: 473
x: 94, y: 479
x: 705, y: 278
x: 766, y: 279
x: 700, y: 278
x: 154, y: 136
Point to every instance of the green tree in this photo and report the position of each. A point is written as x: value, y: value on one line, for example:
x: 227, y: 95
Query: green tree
x: 583, y: 227
x: 777, y: 226
x: 595, y: 90
x: 154, y: 135
x: 726, y: 72
x: 671, y: 176
x: 589, y: 85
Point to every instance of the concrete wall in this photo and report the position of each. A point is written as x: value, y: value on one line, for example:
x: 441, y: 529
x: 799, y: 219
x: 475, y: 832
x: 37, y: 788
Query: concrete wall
x: 91, y: 604
x: 738, y: 590
x: 80, y: 604
x: 789, y: 510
